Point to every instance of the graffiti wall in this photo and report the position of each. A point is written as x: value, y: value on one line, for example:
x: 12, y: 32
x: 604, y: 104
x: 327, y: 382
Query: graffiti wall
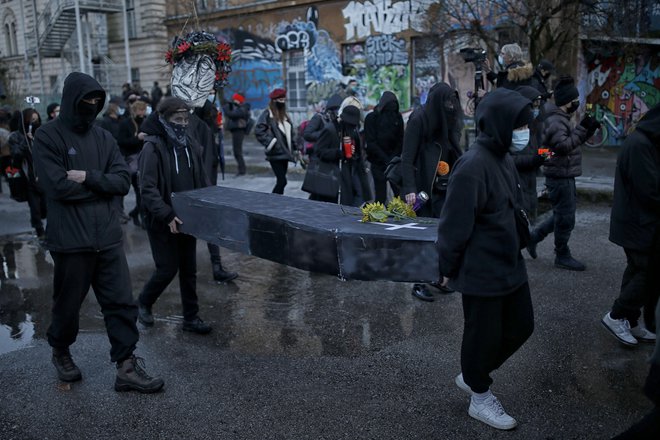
x: 622, y: 84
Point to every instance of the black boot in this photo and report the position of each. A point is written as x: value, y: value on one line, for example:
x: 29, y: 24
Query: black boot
x: 198, y: 326
x: 135, y: 215
x: 67, y: 371
x: 221, y: 275
x: 132, y: 376
x: 566, y: 261
x: 144, y: 315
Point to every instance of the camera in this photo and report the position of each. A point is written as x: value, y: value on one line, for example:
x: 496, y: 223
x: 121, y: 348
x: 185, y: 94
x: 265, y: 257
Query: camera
x: 32, y: 100
x: 473, y: 55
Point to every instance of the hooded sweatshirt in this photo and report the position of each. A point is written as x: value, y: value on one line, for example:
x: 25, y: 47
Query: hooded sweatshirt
x: 82, y: 217
x: 383, y: 130
x: 478, y: 244
x: 636, y: 205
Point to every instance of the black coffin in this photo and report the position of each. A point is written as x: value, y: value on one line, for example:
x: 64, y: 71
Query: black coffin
x: 309, y: 235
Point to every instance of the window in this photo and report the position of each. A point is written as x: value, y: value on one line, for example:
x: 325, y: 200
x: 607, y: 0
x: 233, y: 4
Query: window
x: 9, y: 31
x: 295, y: 67
x: 130, y: 19
x: 135, y: 75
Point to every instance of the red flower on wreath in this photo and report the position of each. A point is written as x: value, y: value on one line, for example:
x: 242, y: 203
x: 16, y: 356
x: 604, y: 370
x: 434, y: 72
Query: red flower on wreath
x: 184, y: 46
x: 169, y: 57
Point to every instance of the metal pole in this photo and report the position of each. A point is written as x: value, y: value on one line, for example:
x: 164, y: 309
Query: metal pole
x: 36, y: 35
x: 80, y: 37
x: 126, y: 49
x: 88, y: 38
x: 27, y: 73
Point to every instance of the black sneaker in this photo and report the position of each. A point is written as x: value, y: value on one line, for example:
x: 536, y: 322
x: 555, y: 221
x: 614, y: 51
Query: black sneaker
x: 222, y: 276
x: 67, y: 371
x: 569, y: 263
x: 531, y: 248
x: 145, y: 316
x: 442, y: 289
x: 420, y: 291
x: 131, y: 376
x: 197, y: 326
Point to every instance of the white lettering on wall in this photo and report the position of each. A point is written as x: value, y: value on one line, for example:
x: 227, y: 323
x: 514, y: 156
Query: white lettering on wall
x: 384, y: 17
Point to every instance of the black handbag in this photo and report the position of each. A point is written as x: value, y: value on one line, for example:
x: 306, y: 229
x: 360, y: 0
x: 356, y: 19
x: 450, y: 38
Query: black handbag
x: 18, y: 184
x: 393, y: 172
x: 321, y: 178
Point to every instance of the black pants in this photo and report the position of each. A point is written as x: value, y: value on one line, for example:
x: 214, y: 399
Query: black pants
x: 107, y: 273
x: 561, y: 193
x: 173, y: 253
x: 37, y: 203
x: 237, y: 137
x: 640, y: 287
x: 279, y: 168
x: 214, y: 252
x: 380, y: 182
x: 495, y: 327
x: 136, y: 190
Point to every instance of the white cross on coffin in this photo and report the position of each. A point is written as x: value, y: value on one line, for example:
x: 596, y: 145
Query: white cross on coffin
x: 397, y: 227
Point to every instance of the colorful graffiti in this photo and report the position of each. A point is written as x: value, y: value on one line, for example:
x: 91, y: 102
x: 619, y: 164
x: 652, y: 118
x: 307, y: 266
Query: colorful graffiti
x: 383, y: 50
x: 623, y: 86
x: 256, y: 66
x: 384, y: 17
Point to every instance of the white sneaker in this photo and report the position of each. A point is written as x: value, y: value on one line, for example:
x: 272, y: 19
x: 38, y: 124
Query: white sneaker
x: 491, y: 413
x: 620, y: 328
x: 643, y: 334
x: 462, y: 385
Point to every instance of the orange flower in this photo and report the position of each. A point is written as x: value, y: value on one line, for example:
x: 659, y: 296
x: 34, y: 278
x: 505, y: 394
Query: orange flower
x: 443, y: 168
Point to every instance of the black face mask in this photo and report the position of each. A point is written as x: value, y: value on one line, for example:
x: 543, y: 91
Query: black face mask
x: 573, y: 107
x: 87, y: 112
x: 139, y: 119
x: 280, y: 105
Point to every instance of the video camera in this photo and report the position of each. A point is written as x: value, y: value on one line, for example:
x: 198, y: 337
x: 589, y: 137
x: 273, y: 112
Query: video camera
x: 473, y: 55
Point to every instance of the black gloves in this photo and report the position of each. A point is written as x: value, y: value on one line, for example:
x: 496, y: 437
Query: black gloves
x: 538, y: 160
x: 590, y: 124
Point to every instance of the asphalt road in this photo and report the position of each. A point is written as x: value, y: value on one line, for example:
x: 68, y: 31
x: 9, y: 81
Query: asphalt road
x: 296, y: 355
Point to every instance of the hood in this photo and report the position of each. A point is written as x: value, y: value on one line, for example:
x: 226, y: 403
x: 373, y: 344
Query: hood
x: 650, y: 124
x: 496, y: 116
x: 76, y: 86
x: 152, y: 126
x: 334, y: 102
x: 437, y: 120
x: 529, y: 92
x: 520, y: 72
x: 386, y: 98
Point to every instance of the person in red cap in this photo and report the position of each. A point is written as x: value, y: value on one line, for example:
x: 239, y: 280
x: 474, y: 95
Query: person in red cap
x: 274, y: 131
x: 237, y: 112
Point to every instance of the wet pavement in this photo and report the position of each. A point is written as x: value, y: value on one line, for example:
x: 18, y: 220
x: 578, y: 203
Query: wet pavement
x: 297, y: 355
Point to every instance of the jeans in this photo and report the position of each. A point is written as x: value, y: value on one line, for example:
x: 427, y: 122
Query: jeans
x: 495, y: 328
x: 562, y: 195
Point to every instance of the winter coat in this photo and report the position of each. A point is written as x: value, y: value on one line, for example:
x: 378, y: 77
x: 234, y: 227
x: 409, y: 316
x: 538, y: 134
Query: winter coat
x: 127, y: 139
x: 423, y: 150
x: 516, y: 74
x: 478, y: 243
x: 110, y: 124
x: 635, y: 215
x: 279, y: 145
x: 200, y: 131
x: 315, y: 126
x: 383, y: 132
x: 563, y: 140
x: 539, y: 84
x: 21, y: 154
x: 527, y: 163
x: 156, y: 175
x: 234, y: 113
x: 82, y: 217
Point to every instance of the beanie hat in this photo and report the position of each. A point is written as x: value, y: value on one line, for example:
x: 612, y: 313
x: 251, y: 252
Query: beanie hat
x: 277, y: 93
x: 238, y: 97
x: 565, y: 91
x: 525, y: 117
x: 546, y: 65
x: 350, y: 115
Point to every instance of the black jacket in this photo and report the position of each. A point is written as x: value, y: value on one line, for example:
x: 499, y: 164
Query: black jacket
x: 478, y: 245
x: 266, y: 130
x: 202, y: 133
x: 234, y: 113
x: 110, y: 124
x: 564, y: 141
x: 21, y: 154
x: 430, y: 136
x: 516, y: 74
x: 156, y: 175
x: 127, y: 136
x: 82, y: 217
x: 636, y: 206
x: 383, y: 131
x: 538, y: 82
x: 316, y: 125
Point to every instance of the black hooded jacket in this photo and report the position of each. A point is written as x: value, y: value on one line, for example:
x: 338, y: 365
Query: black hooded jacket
x: 156, y: 173
x: 478, y: 245
x: 564, y: 141
x: 636, y: 206
x: 82, y: 217
x: 430, y: 136
x: 317, y: 124
x: 383, y: 130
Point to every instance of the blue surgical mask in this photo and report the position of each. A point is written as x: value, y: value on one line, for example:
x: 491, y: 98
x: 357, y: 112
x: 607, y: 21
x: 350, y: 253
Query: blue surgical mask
x: 149, y: 110
x: 536, y: 112
x: 500, y: 60
x: 121, y: 111
x: 519, y: 140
